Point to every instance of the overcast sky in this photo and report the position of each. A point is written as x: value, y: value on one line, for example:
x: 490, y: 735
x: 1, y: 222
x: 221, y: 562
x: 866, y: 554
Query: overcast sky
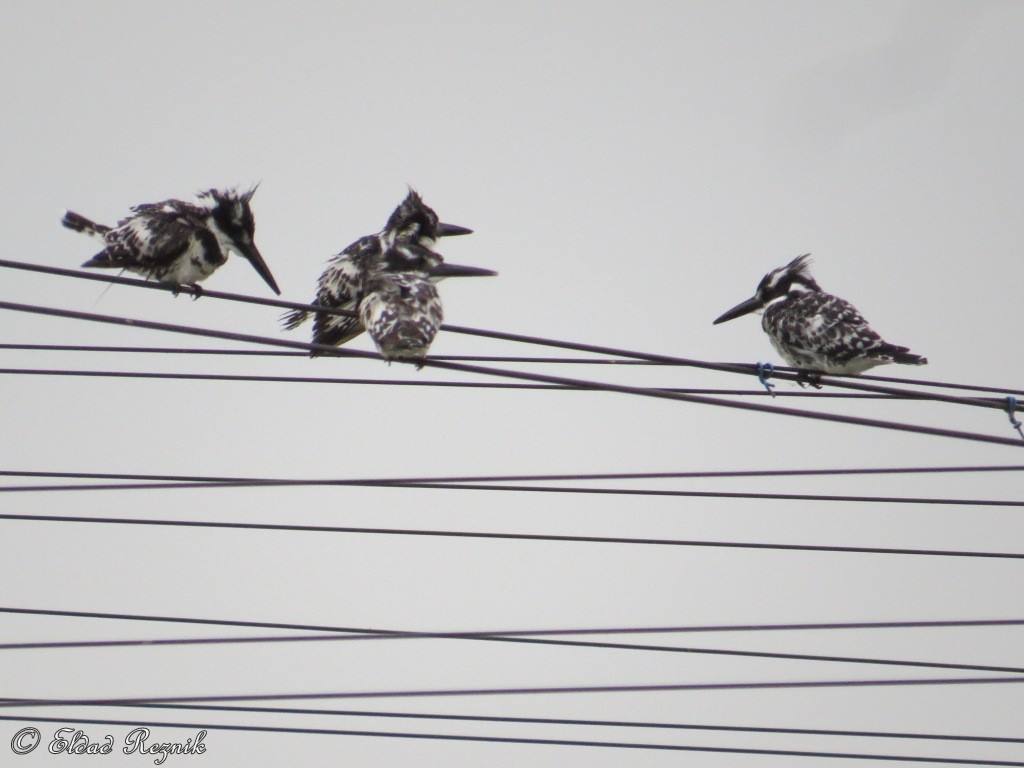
x: 631, y: 171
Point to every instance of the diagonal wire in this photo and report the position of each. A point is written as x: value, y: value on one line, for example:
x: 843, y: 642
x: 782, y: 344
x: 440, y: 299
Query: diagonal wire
x: 269, y: 483
x: 510, y: 740
x: 686, y: 475
x: 516, y: 536
x: 743, y: 368
x: 360, y: 632
x: 541, y: 378
x: 583, y: 722
x: 490, y: 359
x: 93, y: 644
x: 273, y: 379
x: 524, y: 691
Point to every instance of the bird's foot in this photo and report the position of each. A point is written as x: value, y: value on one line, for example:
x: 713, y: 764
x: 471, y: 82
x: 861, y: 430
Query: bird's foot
x: 197, y: 291
x: 809, y: 378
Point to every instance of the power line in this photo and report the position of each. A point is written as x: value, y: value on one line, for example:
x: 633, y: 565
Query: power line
x: 270, y: 379
x: 94, y: 644
x: 509, y: 740
x: 516, y: 536
x: 525, y: 691
x: 687, y: 475
x: 489, y: 359
x: 534, y: 377
x: 580, y: 722
x: 377, y: 634
x: 742, y: 368
x: 270, y: 483
x: 747, y: 367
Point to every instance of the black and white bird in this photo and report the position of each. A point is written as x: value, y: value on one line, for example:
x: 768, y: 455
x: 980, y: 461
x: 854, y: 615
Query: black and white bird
x: 178, y: 242
x: 342, y: 284
x: 400, y: 307
x: 814, y: 330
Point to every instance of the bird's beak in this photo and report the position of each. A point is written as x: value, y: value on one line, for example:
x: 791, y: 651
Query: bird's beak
x: 251, y: 253
x: 457, y: 270
x: 450, y: 230
x: 750, y: 305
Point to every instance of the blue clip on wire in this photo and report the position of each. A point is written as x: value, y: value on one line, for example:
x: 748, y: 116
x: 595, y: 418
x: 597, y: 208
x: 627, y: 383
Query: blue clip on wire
x: 764, y: 372
x: 1011, y: 408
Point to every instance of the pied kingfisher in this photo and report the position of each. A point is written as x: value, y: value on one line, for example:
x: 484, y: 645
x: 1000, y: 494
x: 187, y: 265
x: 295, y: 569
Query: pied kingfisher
x: 178, y: 242
x: 342, y: 284
x: 400, y: 307
x: 814, y: 330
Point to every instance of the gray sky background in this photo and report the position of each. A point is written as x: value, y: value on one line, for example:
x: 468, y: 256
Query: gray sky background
x: 631, y: 170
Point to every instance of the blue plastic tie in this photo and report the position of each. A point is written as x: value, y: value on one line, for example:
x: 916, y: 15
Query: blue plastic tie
x: 1011, y: 408
x: 764, y: 372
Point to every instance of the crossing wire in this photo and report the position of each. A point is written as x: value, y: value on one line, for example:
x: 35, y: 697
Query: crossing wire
x: 534, y: 377
x: 742, y: 368
x: 523, y: 691
x: 515, y: 536
x: 94, y: 644
x: 514, y: 488
x: 508, y: 740
x: 487, y: 359
x: 377, y: 634
x: 581, y: 722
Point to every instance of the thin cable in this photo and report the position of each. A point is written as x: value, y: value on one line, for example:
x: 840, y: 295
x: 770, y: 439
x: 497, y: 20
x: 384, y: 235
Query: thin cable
x: 517, y: 536
x: 377, y: 634
x: 488, y: 359
x: 253, y: 378
x: 743, y: 368
x: 512, y: 488
x: 712, y: 474
x: 579, y: 722
x: 531, y: 691
x: 533, y: 377
x: 94, y: 644
x: 508, y: 740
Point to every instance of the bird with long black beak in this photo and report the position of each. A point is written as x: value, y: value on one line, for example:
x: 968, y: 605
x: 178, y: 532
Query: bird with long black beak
x: 178, y: 242
x: 343, y: 283
x: 400, y: 307
x: 814, y: 330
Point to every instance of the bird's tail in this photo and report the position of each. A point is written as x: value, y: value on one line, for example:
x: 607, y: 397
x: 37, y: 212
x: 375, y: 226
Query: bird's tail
x: 79, y: 223
x: 904, y: 356
x: 292, y: 320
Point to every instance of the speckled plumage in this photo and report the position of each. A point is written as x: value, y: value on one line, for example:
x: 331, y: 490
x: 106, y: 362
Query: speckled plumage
x: 412, y: 225
x: 402, y: 313
x: 814, y: 330
x: 175, y: 241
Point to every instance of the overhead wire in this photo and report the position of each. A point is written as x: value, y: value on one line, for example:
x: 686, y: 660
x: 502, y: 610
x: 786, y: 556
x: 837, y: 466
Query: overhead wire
x: 489, y: 359
x: 357, y: 632
x: 686, y: 475
x: 334, y: 637
x: 742, y: 368
x: 272, y: 379
x: 561, y: 538
x: 9, y: 702
x: 522, y: 375
x: 585, y: 722
x: 508, y: 740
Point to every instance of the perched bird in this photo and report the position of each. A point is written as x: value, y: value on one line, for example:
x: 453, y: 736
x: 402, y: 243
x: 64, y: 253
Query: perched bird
x: 400, y: 307
x: 814, y: 330
x: 342, y: 284
x: 178, y: 242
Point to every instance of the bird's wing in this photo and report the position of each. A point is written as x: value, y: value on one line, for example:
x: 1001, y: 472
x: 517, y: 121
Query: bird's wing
x: 830, y: 326
x: 151, y: 237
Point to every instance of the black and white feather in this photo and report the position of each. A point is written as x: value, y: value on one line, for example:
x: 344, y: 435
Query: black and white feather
x: 343, y: 283
x: 814, y: 330
x: 178, y: 242
x: 402, y: 313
